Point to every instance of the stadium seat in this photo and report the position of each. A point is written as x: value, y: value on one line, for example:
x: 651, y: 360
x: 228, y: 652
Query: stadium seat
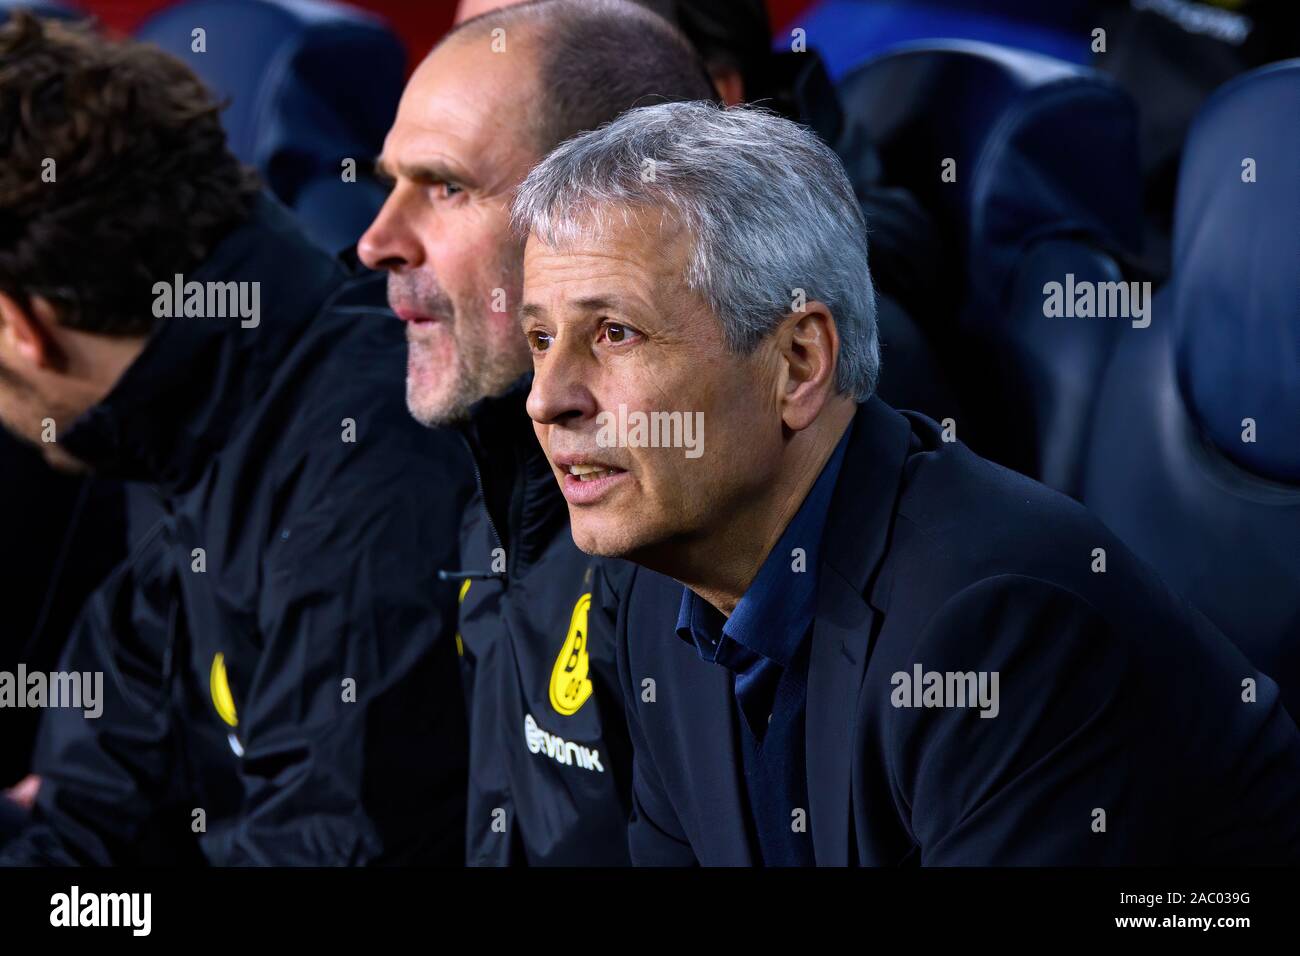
x: 1045, y: 184
x: 42, y: 8
x: 850, y: 32
x: 310, y: 84
x: 1169, y: 468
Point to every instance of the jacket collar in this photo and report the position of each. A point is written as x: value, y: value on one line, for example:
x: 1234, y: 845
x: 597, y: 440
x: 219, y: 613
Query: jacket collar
x: 849, y: 608
x: 524, y: 504
x: 197, y: 378
x: 866, y: 494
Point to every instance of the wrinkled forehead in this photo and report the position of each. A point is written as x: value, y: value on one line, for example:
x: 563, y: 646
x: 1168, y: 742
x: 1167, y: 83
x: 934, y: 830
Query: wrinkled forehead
x: 638, y: 256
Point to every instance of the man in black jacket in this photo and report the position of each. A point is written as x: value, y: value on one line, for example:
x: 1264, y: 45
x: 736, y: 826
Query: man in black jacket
x: 58, y: 549
x: 883, y: 649
x: 549, y: 762
x: 270, y: 678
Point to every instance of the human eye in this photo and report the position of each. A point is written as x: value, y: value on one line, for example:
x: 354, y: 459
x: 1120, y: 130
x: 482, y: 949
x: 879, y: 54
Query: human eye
x: 618, y: 333
x: 538, y: 341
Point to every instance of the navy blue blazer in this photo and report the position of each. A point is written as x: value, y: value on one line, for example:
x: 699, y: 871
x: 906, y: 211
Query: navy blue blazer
x: 1128, y: 729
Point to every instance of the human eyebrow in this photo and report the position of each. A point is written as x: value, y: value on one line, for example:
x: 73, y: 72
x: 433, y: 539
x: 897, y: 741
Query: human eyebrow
x: 429, y: 171
x: 590, y: 304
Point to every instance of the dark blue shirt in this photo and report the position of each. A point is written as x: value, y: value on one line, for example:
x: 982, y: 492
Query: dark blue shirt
x: 764, y: 644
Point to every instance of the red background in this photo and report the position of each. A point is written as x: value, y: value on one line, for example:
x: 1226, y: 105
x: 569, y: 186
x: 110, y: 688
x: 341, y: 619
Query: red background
x: 419, y: 22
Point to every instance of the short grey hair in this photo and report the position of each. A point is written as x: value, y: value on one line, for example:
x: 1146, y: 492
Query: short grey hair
x: 766, y: 203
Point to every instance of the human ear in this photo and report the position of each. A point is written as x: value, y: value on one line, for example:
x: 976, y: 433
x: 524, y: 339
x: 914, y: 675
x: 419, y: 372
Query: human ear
x: 809, y: 344
x: 26, y: 330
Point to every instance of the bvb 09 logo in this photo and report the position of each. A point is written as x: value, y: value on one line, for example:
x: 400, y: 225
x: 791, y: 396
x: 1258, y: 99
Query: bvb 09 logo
x: 570, y: 685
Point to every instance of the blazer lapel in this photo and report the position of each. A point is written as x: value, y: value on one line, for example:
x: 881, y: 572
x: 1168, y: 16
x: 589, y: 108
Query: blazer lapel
x: 708, y: 735
x: 836, y: 663
x: 862, y: 512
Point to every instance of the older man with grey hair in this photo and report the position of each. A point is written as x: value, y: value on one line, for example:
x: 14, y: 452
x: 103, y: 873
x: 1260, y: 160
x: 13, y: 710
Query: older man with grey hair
x: 880, y: 649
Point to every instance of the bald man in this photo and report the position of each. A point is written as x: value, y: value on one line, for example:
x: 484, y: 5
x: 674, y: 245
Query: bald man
x: 550, y: 766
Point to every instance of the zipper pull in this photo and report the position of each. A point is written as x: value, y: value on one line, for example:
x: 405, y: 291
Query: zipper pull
x: 468, y: 575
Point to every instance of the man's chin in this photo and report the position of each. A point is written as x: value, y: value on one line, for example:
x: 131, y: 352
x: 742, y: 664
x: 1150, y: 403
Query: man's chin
x: 605, y: 538
x: 435, y: 402
x: 434, y: 413
x: 447, y: 401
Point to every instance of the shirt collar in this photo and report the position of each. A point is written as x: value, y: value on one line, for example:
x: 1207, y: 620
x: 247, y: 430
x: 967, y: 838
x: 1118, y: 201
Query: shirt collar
x: 772, y: 616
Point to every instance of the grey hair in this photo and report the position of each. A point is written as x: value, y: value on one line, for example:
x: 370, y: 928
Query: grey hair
x: 766, y: 203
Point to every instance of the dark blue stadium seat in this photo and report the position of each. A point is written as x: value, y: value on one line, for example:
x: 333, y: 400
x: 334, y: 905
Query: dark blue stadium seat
x: 847, y: 33
x: 310, y: 84
x: 1168, y: 469
x: 42, y: 8
x: 1046, y: 184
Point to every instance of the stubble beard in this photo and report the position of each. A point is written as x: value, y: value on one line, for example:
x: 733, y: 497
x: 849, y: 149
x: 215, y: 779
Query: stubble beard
x: 457, y: 360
